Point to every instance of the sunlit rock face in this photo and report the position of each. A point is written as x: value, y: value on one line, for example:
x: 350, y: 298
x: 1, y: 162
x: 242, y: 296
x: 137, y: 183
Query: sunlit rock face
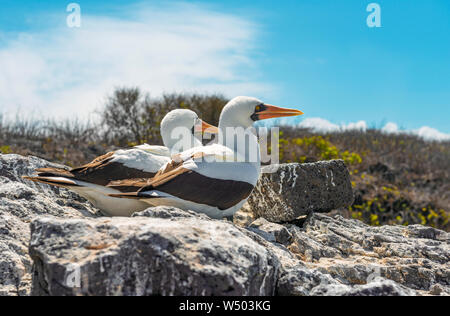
x: 53, y: 242
x: 20, y: 202
x: 293, y: 190
x: 156, y: 253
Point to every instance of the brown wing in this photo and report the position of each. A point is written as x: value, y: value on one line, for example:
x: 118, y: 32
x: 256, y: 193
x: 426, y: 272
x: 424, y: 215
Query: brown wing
x: 54, y: 172
x: 100, y: 171
x: 135, y: 184
x: 129, y: 185
x: 191, y: 186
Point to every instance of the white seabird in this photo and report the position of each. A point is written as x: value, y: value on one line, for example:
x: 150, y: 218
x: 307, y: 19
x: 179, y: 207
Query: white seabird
x: 91, y: 180
x: 216, y: 179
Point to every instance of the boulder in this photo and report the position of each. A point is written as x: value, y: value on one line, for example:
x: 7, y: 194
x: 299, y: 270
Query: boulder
x: 378, y: 287
x: 167, y: 251
x: 182, y: 255
x: 155, y: 253
x: 273, y: 232
x: 20, y: 202
x: 415, y: 257
x: 286, y: 192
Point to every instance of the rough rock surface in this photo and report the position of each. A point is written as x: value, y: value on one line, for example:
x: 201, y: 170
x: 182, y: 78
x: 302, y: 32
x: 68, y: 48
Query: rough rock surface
x: 149, y: 256
x: 165, y: 250
x: 186, y: 254
x: 416, y: 257
x: 295, y: 189
x: 20, y: 202
x: 271, y: 231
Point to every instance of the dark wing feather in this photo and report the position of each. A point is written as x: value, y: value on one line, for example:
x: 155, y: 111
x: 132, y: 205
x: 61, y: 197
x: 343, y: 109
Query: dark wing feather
x: 100, y: 171
x: 189, y: 185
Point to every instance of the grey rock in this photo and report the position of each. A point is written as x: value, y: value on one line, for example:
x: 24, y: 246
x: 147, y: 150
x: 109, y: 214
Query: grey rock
x: 15, y: 264
x: 168, y: 212
x: 267, y: 236
x: 244, y: 216
x: 188, y: 255
x: 379, y: 287
x: 294, y: 190
x: 167, y: 251
x: 298, y: 280
x: 439, y: 290
x: 275, y: 232
x: 149, y: 256
x: 26, y: 200
x: 20, y: 202
x: 351, y: 252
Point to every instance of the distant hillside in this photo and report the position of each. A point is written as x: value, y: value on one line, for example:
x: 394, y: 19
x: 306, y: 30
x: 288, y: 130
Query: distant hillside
x: 397, y: 178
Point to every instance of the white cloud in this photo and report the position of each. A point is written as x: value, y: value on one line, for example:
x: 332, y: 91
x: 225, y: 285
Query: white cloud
x: 320, y: 125
x: 390, y: 128
x: 360, y: 126
x: 185, y: 48
x: 323, y: 126
x: 429, y: 133
x: 425, y: 132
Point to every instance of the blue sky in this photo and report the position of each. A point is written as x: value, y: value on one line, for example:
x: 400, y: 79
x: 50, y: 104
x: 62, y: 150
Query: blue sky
x: 319, y: 56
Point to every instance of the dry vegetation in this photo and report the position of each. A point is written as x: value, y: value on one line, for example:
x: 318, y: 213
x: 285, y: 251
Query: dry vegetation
x: 398, y: 179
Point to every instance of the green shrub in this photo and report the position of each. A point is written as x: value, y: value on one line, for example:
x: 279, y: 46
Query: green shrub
x: 5, y: 150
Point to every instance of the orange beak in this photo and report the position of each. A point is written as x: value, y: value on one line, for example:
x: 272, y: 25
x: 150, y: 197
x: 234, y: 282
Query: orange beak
x: 271, y: 111
x: 206, y: 128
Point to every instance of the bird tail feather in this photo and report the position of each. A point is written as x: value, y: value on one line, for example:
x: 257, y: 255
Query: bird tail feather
x: 134, y: 196
x: 56, y: 181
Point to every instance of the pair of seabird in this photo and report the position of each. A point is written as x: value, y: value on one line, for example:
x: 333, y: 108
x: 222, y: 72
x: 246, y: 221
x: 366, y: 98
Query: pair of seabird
x: 206, y: 179
x: 92, y: 180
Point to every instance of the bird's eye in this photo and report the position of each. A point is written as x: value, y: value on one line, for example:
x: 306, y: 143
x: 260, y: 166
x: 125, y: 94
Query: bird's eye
x: 258, y: 109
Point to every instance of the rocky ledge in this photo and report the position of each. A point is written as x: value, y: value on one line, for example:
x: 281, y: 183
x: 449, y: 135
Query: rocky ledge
x: 166, y: 251
x: 286, y: 192
x: 20, y: 203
